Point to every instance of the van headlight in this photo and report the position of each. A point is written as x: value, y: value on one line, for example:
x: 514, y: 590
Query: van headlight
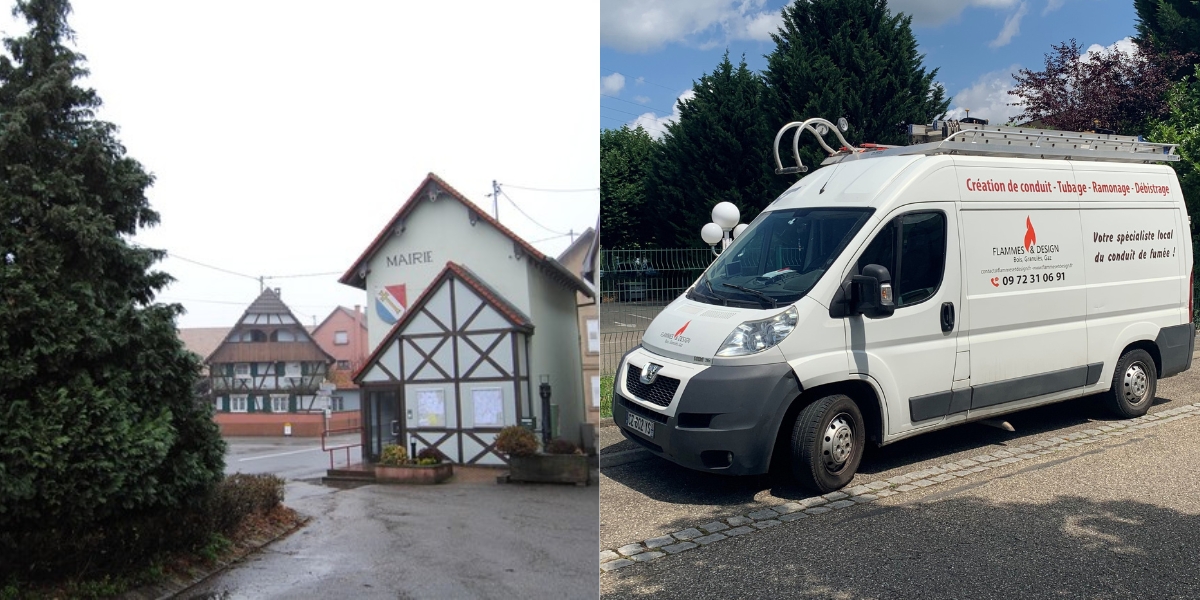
x: 752, y: 337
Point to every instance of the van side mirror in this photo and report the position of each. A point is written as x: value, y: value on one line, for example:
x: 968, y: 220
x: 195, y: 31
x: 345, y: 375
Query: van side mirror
x: 871, y: 293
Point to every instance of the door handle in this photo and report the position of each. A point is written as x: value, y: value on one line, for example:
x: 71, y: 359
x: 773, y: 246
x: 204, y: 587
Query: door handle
x: 947, y: 316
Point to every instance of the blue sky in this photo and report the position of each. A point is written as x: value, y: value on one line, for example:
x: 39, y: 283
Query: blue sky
x: 652, y: 50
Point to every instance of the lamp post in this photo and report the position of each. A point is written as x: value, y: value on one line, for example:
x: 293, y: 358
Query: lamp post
x: 724, y: 228
x: 544, y: 392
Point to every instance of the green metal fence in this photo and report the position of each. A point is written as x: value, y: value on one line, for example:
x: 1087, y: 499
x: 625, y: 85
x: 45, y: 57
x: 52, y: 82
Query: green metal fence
x: 635, y: 285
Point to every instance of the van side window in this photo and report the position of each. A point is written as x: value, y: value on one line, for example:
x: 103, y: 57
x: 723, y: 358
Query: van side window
x: 921, y: 248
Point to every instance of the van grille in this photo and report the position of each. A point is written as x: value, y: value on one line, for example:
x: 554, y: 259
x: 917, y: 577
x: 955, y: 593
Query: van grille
x: 660, y: 393
x: 641, y: 410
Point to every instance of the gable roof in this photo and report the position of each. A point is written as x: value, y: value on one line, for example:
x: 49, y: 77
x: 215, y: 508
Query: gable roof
x: 362, y: 321
x: 432, y: 186
x: 452, y: 270
x: 269, y: 303
x: 202, y: 340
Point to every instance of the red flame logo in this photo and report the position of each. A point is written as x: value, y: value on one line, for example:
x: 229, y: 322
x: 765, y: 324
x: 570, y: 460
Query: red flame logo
x: 681, y: 329
x: 1030, y: 236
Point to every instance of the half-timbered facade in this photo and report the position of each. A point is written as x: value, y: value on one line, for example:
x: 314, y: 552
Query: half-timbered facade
x: 454, y: 300
x: 268, y: 364
x: 454, y: 367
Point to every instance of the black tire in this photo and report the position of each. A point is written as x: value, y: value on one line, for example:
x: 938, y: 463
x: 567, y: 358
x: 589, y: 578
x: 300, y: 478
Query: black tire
x: 1133, y: 386
x: 813, y: 438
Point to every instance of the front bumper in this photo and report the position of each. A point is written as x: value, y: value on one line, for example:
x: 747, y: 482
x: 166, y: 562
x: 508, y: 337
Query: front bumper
x: 721, y: 419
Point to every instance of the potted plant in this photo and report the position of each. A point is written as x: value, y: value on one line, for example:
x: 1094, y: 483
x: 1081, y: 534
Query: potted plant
x: 562, y: 462
x: 395, y: 466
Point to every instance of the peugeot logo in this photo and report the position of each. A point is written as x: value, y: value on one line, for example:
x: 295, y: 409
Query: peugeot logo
x: 650, y: 373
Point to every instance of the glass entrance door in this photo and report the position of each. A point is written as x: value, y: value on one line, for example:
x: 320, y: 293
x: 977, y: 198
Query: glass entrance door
x: 383, y: 424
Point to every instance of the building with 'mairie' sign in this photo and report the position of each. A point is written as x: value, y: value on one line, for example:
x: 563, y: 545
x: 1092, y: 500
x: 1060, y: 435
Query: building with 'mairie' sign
x: 465, y: 321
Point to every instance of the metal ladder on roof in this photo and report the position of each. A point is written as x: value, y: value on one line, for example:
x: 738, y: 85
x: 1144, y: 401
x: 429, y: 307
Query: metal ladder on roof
x: 955, y: 137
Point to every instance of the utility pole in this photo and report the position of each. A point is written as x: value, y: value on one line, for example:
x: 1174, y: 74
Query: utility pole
x: 571, y: 232
x: 495, y: 200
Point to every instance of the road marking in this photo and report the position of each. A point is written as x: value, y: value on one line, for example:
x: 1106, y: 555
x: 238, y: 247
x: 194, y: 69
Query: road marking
x: 620, y: 324
x: 277, y: 454
x: 641, y: 317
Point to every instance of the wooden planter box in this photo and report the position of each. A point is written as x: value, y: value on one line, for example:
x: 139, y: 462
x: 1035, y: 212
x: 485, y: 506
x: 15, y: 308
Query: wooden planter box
x: 414, y: 473
x: 549, y: 468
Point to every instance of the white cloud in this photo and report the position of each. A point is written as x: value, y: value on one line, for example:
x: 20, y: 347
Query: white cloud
x: 641, y: 99
x: 640, y: 80
x: 647, y: 25
x: 1053, y: 5
x: 1012, y: 26
x: 987, y: 98
x: 655, y: 125
x: 1125, y: 45
x: 612, y: 84
x: 936, y: 12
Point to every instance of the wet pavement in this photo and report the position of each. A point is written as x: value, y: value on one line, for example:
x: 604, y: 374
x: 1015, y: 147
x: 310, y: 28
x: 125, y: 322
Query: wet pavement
x: 468, y: 538
x: 293, y: 458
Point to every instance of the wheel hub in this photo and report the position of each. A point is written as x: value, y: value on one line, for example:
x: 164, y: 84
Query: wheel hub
x: 1136, y: 384
x: 838, y: 442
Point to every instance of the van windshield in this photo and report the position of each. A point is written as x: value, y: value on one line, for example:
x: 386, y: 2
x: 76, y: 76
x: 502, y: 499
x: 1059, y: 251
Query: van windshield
x: 779, y: 257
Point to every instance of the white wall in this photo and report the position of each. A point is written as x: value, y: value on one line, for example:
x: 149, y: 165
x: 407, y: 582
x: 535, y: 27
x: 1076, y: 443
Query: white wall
x: 442, y: 230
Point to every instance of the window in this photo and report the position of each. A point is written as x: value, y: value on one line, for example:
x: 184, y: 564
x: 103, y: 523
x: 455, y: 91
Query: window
x: 921, y: 249
x: 337, y: 403
x: 254, y: 335
x: 341, y: 338
x: 279, y: 403
x: 779, y: 257
x: 593, y: 333
x: 238, y: 403
x: 292, y: 369
x: 241, y: 370
x: 217, y: 404
x: 596, y: 391
x: 282, y: 335
x: 343, y: 365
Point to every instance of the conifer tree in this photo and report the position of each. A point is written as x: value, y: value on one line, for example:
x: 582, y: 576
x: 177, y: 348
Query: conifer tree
x: 719, y: 150
x: 96, y: 401
x: 853, y: 59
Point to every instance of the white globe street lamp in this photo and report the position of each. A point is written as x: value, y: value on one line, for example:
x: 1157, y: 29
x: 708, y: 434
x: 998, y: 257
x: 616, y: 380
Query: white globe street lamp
x: 724, y: 227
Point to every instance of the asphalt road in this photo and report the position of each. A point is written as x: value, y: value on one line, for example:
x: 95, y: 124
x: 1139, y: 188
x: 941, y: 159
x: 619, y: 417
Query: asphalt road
x: 469, y: 538
x: 1114, y: 519
x: 293, y: 458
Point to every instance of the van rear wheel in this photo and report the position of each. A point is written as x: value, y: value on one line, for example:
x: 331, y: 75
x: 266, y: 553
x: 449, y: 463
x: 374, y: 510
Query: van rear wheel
x: 1134, y: 384
x: 827, y: 443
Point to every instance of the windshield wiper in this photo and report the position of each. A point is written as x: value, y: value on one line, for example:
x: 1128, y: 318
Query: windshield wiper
x: 715, y: 295
x: 774, y: 304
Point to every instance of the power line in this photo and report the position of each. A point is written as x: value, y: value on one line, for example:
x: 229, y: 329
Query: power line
x: 534, y: 189
x: 207, y: 266
x: 553, y: 237
x: 621, y: 111
x: 302, y: 275
x: 644, y: 81
x: 531, y: 219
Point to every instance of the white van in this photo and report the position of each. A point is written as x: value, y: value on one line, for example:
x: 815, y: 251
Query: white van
x: 902, y: 290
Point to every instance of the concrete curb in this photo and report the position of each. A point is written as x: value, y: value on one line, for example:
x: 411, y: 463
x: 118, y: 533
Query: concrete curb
x: 770, y: 515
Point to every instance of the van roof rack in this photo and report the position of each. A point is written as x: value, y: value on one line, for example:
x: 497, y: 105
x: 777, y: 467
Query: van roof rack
x: 958, y: 137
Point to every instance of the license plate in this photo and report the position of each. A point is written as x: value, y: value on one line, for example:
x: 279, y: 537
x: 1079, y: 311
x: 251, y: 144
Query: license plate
x: 640, y: 424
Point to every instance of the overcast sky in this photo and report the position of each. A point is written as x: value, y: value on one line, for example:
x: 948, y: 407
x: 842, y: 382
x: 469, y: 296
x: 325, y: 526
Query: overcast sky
x: 284, y: 135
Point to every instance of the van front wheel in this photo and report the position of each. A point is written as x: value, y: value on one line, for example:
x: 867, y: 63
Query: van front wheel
x: 827, y: 443
x: 1134, y: 384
